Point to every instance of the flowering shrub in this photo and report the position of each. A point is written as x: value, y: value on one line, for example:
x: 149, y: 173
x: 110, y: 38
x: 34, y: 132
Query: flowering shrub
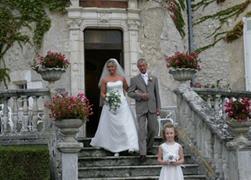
x: 183, y: 60
x: 63, y: 106
x: 51, y: 60
x: 238, y: 109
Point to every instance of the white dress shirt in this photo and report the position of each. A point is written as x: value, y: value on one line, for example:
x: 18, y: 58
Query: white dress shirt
x: 145, y: 77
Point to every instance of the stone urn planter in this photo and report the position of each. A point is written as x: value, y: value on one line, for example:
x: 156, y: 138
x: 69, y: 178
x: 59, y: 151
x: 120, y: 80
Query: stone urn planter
x: 69, y: 128
x: 51, y: 74
x: 239, y: 128
x: 182, y: 74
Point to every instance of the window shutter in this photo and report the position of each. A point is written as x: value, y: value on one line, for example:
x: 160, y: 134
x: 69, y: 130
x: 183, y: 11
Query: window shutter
x: 247, y: 51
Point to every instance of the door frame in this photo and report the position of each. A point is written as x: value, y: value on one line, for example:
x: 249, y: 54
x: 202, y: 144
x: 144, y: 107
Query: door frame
x: 127, y: 20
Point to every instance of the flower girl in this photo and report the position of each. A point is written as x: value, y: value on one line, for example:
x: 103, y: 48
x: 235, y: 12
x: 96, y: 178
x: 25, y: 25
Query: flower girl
x: 170, y: 155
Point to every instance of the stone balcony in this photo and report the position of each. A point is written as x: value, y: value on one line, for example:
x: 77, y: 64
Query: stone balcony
x: 23, y: 118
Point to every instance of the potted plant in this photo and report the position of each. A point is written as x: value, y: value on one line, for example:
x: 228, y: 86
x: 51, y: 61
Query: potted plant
x: 238, y: 114
x: 51, y: 66
x: 69, y: 113
x: 183, y: 65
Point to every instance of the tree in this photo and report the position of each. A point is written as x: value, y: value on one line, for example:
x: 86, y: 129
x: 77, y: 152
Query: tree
x: 17, y: 18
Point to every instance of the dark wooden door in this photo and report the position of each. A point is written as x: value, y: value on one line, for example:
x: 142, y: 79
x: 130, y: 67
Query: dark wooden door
x: 100, y: 45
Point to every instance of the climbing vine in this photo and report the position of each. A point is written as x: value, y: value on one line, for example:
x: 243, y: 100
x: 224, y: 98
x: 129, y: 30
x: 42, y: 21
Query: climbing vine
x: 175, y: 8
x: 222, y: 16
x: 235, y: 33
x: 205, y: 3
x: 18, y: 19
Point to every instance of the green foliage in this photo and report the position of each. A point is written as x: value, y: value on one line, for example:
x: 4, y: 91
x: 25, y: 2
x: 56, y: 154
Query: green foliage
x: 175, y: 7
x: 24, y: 162
x: 235, y: 33
x: 222, y: 16
x: 205, y: 3
x: 19, y: 18
x: 179, y: 20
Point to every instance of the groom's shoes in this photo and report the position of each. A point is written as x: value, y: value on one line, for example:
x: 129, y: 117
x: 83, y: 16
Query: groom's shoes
x: 142, y: 158
x: 150, y: 153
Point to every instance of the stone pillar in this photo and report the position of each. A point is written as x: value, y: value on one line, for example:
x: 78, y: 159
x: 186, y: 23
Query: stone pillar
x: 241, y: 160
x: 76, y: 46
x: 132, y: 4
x: 69, y: 159
x: 74, y: 3
x: 76, y: 57
x: 133, y: 36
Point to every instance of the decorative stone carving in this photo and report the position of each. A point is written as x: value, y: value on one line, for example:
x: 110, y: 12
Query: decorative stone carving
x: 103, y: 17
x: 69, y: 128
x: 182, y: 74
x: 74, y: 23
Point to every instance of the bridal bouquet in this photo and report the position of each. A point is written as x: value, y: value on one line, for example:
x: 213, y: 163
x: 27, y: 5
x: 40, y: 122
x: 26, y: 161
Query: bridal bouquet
x: 113, y: 100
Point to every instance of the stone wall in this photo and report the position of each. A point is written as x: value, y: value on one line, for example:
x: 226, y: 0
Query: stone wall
x: 19, y: 59
x: 224, y: 60
x: 158, y: 37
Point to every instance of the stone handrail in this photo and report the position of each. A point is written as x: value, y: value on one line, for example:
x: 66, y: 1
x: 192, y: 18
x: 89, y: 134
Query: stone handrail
x: 216, y: 98
x: 208, y: 137
x: 22, y: 114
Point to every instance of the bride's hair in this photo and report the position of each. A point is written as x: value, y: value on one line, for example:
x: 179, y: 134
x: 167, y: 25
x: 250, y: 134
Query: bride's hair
x: 105, y: 72
x: 111, y: 61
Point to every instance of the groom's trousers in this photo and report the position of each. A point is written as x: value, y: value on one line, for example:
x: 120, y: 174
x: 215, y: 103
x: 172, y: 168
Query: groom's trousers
x: 147, y: 130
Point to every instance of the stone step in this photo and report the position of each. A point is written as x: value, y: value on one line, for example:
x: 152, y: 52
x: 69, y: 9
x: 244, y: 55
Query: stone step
x: 186, y: 177
x: 128, y: 171
x: 132, y: 160
x: 100, y: 152
x: 86, y: 141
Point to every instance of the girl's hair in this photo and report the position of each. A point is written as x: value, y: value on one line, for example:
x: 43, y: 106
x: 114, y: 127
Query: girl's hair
x: 170, y: 125
x: 111, y: 61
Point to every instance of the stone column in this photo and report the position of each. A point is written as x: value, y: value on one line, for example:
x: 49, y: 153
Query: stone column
x: 74, y: 3
x: 69, y: 159
x: 76, y: 43
x: 133, y: 37
x: 76, y: 57
x: 132, y: 4
x: 241, y: 158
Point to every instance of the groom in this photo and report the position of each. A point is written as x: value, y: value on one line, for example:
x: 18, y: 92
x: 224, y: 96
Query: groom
x: 144, y: 89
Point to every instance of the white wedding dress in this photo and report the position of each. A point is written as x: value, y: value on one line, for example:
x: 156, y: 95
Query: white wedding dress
x: 116, y: 132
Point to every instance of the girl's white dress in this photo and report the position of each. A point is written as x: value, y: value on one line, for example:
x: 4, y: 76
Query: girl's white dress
x: 171, y: 172
x: 116, y: 131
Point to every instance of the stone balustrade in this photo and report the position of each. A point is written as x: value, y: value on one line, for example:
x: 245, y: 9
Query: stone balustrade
x: 22, y: 114
x: 216, y: 98
x: 206, y: 133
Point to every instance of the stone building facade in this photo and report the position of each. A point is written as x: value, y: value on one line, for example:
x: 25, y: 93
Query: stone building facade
x: 146, y: 30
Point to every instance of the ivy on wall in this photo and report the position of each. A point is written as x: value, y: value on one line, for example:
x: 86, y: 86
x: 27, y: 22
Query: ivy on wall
x: 18, y: 19
x: 205, y: 3
x: 222, y: 16
x: 175, y: 9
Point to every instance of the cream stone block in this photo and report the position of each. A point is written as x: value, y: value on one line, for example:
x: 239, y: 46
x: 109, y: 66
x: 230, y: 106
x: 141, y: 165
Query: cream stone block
x: 74, y: 3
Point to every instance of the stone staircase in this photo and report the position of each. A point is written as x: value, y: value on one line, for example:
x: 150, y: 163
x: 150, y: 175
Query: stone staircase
x: 98, y: 164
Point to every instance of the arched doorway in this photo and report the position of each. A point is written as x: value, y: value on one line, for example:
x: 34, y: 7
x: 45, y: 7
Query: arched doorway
x: 99, y: 46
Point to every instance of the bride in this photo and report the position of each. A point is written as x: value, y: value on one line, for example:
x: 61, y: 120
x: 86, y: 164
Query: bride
x: 116, y: 130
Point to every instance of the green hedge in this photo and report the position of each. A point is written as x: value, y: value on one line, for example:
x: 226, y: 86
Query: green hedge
x: 24, y: 163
